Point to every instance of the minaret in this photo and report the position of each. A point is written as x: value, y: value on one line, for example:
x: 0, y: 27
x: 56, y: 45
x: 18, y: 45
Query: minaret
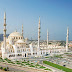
x: 22, y: 29
x: 38, y: 36
x: 67, y: 39
x: 47, y: 38
x: 5, y: 31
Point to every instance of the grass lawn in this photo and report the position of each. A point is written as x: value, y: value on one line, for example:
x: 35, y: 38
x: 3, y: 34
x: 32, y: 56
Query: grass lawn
x: 42, y: 67
x: 47, y: 69
x: 57, y: 66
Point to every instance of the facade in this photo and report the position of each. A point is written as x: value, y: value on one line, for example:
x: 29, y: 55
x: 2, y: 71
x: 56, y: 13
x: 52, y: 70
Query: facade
x: 16, y: 47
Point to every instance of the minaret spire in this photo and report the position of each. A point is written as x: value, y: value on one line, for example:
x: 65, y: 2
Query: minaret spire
x: 5, y: 31
x: 47, y: 37
x: 39, y: 34
x: 67, y: 39
x: 22, y: 29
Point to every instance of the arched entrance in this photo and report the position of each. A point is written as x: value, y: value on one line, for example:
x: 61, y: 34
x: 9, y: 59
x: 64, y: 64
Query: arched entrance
x: 25, y: 54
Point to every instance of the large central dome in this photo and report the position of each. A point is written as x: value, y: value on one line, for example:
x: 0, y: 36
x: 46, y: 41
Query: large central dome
x: 15, y: 34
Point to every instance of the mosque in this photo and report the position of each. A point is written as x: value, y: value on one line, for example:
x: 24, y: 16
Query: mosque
x: 16, y: 47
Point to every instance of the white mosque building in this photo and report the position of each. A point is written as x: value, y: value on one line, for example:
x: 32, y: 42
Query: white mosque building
x: 16, y: 47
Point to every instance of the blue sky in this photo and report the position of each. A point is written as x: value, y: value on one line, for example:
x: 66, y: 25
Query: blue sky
x: 55, y: 16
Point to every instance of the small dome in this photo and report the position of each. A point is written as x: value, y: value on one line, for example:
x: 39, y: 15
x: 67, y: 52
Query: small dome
x: 14, y: 34
x: 20, y: 41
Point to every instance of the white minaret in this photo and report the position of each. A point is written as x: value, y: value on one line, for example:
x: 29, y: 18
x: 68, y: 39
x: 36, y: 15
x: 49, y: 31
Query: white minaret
x: 67, y: 39
x: 5, y: 31
x: 38, y: 49
x: 22, y: 29
x: 47, y: 38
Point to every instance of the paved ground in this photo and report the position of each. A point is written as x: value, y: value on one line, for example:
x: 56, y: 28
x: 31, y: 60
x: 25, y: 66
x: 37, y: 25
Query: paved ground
x: 39, y: 60
x: 21, y: 69
x: 3, y: 71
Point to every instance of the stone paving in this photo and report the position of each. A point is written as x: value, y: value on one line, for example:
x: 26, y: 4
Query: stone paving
x: 21, y: 69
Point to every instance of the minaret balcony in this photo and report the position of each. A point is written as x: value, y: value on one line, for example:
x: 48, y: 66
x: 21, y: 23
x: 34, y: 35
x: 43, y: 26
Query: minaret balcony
x: 4, y: 24
x: 4, y: 35
x: 5, y: 30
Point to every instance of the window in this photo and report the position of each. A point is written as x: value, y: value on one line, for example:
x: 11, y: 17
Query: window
x: 19, y: 37
x: 11, y: 50
x: 16, y: 37
x: 29, y: 53
x: 17, y: 47
x: 41, y: 52
x: 33, y: 53
x: 23, y: 50
x: 19, y: 54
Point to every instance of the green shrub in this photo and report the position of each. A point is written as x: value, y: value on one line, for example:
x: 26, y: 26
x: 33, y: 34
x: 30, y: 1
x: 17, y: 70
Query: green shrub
x: 7, y: 59
x: 28, y: 61
x: 24, y: 62
x: 27, y: 64
x: 3, y: 61
x: 1, y: 67
x: 42, y: 67
x: 4, y: 69
x: 37, y: 64
x: 0, y: 57
x: 18, y: 63
x: 31, y: 63
x: 32, y: 66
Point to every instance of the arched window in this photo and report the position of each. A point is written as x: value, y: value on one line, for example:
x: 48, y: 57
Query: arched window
x: 16, y: 37
x: 19, y: 37
x: 23, y: 50
x: 25, y: 55
x: 41, y: 52
x: 11, y: 50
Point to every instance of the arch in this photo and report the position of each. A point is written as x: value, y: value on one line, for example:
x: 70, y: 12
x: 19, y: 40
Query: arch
x: 25, y: 54
x: 16, y: 38
x: 19, y: 37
